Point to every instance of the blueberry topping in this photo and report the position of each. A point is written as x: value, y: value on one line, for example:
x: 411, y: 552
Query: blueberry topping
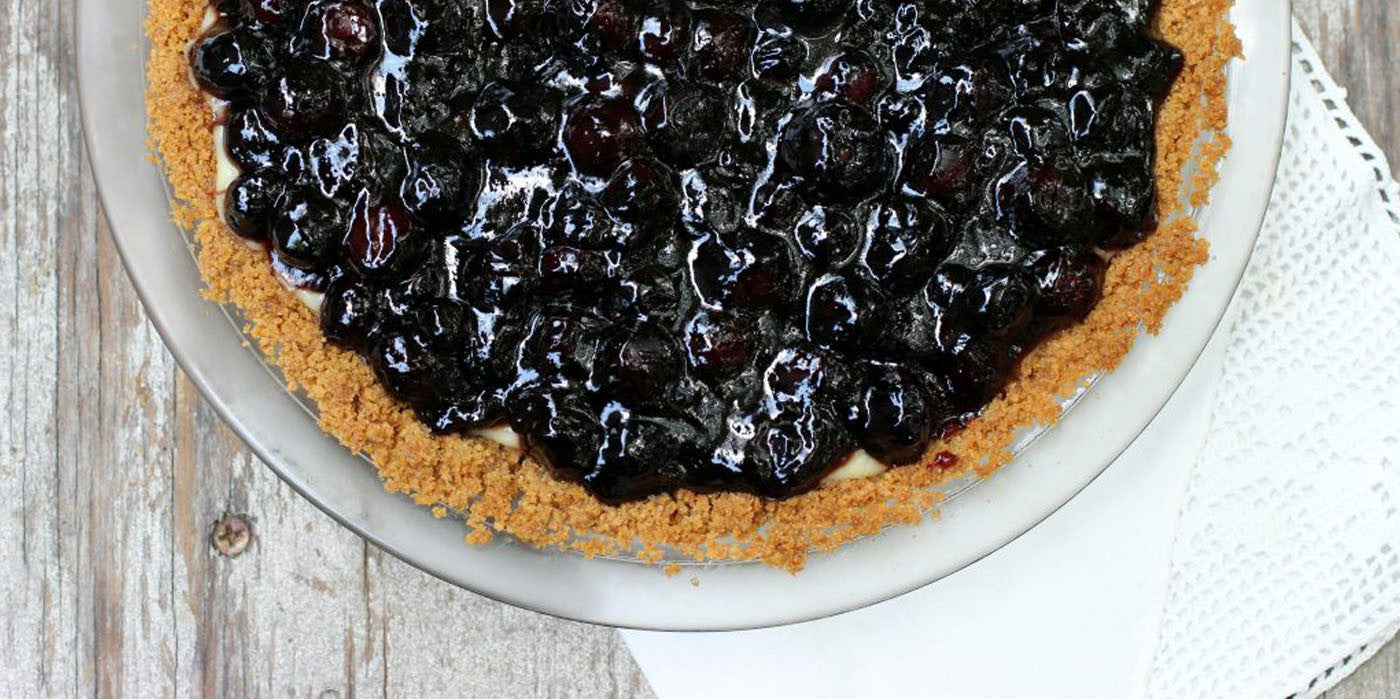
x: 678, y: 244
x: 251, y: 203
x: 600, y: 133
x: 250, y: 141
x: 827, y: 236
x: 811, y: 16
x: 308, y: 98
x: 349, y: 315
x: 517, y: 122
x: 307, y: 229
x: 440, y: 181
x: 343, y: 30
x: 895, y: 415
x: 835, y: 315
x: 381, y: 240
x: 1068, y: 284
x: 665, y: 32
x: 228, y: 64
x: 720, y: 44
x: 840, y: 149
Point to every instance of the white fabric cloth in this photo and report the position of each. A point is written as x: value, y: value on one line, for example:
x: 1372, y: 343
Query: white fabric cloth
x: 1247, y: 544
x: 1287, y: 556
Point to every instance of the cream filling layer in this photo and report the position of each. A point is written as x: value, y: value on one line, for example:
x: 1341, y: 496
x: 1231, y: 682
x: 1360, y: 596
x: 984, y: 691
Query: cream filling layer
x: 860, y: 465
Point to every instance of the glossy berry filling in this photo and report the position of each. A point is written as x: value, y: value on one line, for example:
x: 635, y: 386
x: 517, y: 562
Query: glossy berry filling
x: 709, y: 245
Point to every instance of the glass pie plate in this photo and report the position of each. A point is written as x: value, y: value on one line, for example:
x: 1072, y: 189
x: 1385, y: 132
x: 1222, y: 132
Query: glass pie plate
x: 1046, y: 473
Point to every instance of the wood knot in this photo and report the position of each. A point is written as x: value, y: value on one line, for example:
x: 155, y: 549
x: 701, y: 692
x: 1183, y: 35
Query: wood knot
x: 231, y: 535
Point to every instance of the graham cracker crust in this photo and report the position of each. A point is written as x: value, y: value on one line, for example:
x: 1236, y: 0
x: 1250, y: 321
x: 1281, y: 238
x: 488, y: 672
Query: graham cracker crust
x: 501, y: 491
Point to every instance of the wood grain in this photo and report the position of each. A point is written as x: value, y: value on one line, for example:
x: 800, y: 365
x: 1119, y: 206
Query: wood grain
x: 114, y: 471
x: 45, y: 209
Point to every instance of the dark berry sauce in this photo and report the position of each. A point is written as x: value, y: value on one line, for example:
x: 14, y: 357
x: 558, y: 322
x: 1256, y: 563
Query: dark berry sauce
x: 715, y: 245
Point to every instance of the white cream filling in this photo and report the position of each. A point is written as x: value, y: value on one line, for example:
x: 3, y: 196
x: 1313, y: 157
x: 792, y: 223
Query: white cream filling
x: 309, y: 298
x: 502, y: 435
x: 225, y: 171
x: 859, y: 466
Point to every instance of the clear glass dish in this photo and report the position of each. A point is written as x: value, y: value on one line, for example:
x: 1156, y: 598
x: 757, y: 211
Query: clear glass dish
x: 1046, y: 474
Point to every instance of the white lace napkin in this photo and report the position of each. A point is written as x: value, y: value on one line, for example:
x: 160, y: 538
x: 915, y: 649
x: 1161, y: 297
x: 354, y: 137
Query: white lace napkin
x: 1270, y: 567
x: 1286, y: 569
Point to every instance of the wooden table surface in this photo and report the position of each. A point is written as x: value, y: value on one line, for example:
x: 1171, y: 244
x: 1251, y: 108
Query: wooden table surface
x: 114, y: 471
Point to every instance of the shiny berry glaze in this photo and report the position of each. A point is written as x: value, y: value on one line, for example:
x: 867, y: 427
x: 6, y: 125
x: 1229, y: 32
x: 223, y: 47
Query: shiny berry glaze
x: 714, y: 245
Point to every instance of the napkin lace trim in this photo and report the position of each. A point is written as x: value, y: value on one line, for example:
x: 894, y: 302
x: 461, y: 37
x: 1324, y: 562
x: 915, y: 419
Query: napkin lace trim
x: 1308, y: 68
x: 1334, y: 97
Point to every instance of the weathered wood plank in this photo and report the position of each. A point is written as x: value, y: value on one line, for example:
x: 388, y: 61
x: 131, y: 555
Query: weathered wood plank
x: 442, y: 641
x: 310, y: 609
x: 133, y: 607
x: 74, y: 657
x: 285, y: 617
x: 1379, y: 677
x: 42, y: 208
x: 111, y: 585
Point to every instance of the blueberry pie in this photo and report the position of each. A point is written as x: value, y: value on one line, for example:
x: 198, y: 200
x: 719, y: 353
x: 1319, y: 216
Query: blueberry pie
x: 725, y: 278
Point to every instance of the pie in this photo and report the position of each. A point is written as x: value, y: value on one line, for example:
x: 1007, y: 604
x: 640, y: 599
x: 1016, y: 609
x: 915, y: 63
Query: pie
x: 724, y: 280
